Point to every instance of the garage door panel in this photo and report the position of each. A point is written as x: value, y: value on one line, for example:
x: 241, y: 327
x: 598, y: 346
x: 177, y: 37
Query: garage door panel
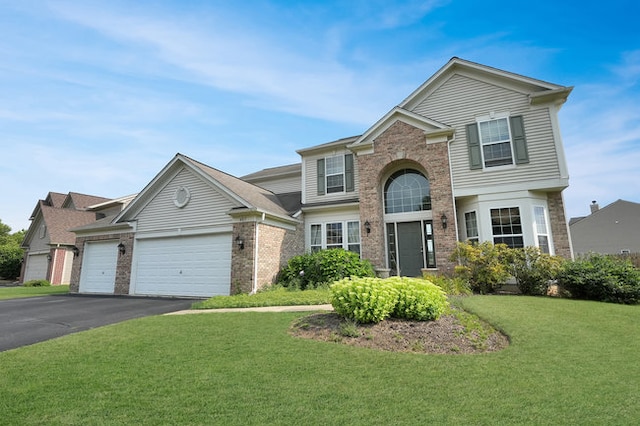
x: 37, y: 266
x: 98, y: 274
x: 183, y: 266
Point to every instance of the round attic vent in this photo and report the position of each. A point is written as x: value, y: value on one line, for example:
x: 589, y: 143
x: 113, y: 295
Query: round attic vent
x: 181, y: 197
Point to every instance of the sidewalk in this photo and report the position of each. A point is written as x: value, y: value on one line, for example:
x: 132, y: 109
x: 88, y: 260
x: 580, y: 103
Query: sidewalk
x: 297, y: 308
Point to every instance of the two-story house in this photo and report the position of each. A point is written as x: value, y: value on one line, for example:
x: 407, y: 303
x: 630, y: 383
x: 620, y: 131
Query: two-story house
x: 474, y: 153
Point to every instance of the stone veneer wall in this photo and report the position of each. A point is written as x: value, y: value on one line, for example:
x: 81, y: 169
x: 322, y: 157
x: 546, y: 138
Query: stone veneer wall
x: 559, y: 226
x: 404, y: 146
x: 123, y: 269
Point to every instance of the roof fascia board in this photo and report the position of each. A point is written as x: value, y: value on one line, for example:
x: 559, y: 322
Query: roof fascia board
x: 429, y: 126
x: 470, y: 69
x: 167, y: 173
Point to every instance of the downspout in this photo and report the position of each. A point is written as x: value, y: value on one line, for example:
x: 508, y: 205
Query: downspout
x: 453, y: 198
x: 256, y: 242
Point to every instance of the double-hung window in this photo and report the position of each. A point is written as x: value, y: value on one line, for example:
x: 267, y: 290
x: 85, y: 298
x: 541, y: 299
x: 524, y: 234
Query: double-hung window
x: 345, y: 235
x: 497, y: 140
x: 335, y: 174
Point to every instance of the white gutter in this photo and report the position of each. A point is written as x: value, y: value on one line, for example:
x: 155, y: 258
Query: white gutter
x: 256, y: 242
x: 453, y: 198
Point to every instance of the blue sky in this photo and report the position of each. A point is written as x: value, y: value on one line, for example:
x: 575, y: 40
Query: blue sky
x: 96, y: 97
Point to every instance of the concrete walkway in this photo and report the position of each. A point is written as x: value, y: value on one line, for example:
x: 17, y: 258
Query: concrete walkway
x: 297, y: 308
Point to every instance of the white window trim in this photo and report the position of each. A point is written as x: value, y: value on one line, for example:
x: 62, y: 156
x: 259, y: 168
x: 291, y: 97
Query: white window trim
x: 466, y: 230
x: 345, y: 235
x: 492, y: 117
x: 536, y: 234
x: 326, y: 174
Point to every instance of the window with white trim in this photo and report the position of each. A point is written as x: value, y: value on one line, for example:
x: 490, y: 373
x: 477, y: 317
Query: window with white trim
x: 495, y: 139
x: 541, y: 229
x: 316, y: 237
x: 506, y: 225
x: 332, y: 235
x: 471, y: 226
x: 335, y: 173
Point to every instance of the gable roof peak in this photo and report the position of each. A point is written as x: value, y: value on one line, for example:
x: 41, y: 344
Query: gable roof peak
x: 458, y: 65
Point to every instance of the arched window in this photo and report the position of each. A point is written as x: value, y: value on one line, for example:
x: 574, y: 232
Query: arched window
x: 407, y: 191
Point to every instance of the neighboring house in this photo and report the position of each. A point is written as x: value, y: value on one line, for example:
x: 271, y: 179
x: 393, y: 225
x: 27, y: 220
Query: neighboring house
x: 48, y: 244
x: 475, y: 153
x: 614, y: 229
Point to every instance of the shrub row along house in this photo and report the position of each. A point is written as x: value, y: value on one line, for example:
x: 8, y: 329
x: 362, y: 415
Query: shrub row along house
x: 474, y: 153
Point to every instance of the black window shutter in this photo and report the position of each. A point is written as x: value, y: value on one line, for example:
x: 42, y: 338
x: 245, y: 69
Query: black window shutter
x: 519, y: 140
x: 349, y: 176
x: 321, y: 181
x: 473, y: 141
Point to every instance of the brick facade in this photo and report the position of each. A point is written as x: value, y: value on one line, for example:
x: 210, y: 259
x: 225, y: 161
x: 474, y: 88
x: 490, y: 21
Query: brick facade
x: 404, y: 146
x: 275, y: 246
x: 123, y: 269
x: 559, y: 226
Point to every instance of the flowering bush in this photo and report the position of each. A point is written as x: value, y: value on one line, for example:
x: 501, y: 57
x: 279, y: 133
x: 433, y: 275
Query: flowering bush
x: 371, y: 300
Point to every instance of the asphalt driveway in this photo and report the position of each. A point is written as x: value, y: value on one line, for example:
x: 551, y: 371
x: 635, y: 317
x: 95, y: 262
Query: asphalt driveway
x: 36, y: 319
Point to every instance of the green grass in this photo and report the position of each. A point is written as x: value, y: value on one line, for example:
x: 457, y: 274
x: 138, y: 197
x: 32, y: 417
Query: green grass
x: 17, y: 292
x: 275, y: 297
x: 570, y: 362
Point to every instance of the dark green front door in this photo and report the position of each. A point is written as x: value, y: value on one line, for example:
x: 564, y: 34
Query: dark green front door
x: 410, y: 256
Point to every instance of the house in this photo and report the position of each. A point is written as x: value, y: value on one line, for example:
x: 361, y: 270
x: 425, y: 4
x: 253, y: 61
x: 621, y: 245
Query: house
x: 474, y: 153
x: 614, y: 229
x: 48, y: 244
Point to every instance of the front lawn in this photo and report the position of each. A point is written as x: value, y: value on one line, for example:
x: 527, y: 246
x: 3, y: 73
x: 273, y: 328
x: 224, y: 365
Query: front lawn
x: 17, y: 292
x: 570, y: 362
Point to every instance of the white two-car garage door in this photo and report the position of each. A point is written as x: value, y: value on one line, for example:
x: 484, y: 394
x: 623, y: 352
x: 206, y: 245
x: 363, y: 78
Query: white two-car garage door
x: 183, y: 266
x: 98, y: 274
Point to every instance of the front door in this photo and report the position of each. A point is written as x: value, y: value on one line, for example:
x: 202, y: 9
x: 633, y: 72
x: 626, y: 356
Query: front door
x: 410, y: 249
x: 406, y: 244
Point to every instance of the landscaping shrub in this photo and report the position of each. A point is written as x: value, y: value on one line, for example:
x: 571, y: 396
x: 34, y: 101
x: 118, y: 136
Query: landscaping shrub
x: 10, y: 261
x: 481, y: 265
x: 532, y: 269
x: 366, y: 300
x: 323, y: 267
x: 418, y: 299
x: 603, y: 278
x: 371, y: 300
x: 455, y: 286
x: 37, y: 283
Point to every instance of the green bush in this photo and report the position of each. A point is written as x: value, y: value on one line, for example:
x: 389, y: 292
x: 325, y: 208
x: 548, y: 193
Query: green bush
x: 366, y: 300
x: 37, y: 283
x: 482, y: 265
x: 455, y: 286
x: 418, y: 299
x: 323, y: 267
x: 603, y: 278
x: 371, y: 300
x: 532, y: 269
x: 10, y: 261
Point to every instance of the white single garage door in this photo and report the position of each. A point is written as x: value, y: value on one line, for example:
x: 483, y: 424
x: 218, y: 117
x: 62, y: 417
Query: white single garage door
x: 37, y: 266
x: 183, y: 266
x: 98, y: 274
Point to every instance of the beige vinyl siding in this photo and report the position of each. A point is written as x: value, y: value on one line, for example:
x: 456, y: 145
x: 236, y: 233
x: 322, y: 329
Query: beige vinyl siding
x: 281, y: 185
x: 311, y: 179
x: 461, y: 99
x: 207, y: 207
x: 36, y: 243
